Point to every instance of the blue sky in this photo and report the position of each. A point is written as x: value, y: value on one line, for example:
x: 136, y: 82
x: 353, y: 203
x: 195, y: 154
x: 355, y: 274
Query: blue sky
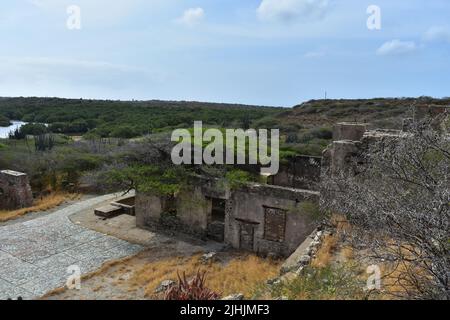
x: 267, y: 52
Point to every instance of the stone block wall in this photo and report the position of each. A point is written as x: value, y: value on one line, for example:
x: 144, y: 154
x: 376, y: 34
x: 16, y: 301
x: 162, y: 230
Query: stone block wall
x: 190, y: 211
x: 15, y: 190
x: 270, y: 220
x: 301, y: 172
x: 349, y: 131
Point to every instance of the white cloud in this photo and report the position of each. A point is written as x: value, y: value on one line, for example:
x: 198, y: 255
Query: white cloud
x: 289, y: 10
x: 37, y: 70
x: 437, y: 34
x: 396, y: 47
x: 192, y: 16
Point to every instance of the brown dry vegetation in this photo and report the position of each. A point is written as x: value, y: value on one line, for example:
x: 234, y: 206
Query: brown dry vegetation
x: 239, y: 275
x: 333, y: 250
x: 137, y: 277
x: 43, y: 204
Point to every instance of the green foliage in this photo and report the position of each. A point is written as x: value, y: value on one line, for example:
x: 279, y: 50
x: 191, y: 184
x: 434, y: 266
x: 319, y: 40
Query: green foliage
x: 328, y: 283
x: 4, y: 121
x: 124, y: 132
x: 125, y: 119
x: 238, y: 178
x: 151, y: 178
x: 33, y: 129
x: 44, y: 142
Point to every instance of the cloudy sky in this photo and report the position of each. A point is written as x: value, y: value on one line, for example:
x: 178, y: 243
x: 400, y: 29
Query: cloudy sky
x: 269, y: 52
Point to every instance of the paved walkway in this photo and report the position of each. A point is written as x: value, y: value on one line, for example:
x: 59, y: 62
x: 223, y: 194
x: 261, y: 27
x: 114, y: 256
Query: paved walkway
x: 35, y: 255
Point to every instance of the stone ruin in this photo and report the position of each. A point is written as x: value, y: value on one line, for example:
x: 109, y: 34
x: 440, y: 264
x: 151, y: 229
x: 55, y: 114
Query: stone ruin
x: 265, y: 219
x: 352, y: 139
x: 273, y: 219
x: 15, y: 190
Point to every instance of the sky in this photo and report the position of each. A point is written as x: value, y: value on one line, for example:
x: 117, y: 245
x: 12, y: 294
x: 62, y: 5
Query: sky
x: 263, y: 52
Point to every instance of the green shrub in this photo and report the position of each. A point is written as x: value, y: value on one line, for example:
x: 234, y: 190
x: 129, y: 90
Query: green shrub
x: 328, y: 283
x: 238, y: 178
x: 4, y: 121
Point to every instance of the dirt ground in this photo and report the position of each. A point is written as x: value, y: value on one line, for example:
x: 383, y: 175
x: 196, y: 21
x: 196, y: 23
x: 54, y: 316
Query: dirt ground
x: 137, y: 278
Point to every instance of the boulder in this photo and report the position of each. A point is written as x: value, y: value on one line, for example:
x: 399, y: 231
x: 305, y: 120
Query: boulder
x: 166, y: 284
x: 209, y: 257
x: 234, y: 297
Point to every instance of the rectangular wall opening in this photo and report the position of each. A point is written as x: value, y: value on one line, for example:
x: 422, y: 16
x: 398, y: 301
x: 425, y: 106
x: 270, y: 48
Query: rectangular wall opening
x: 218, y: 210
x: 216, y: 227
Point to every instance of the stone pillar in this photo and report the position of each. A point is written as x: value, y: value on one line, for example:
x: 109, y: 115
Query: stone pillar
x: 15, y: 190
x: 349, y: 131
x: 343, y: 151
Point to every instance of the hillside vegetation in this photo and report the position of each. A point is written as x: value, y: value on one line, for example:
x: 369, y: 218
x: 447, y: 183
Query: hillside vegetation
x: 126, y: 119
x: 381, y: 112
x: 56, y: 161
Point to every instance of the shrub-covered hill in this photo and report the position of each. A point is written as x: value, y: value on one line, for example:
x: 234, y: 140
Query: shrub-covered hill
x: 380, y: 112
x: 114, y: 118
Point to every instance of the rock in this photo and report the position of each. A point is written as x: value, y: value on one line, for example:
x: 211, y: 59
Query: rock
x: 234, y: 297
x: 209, y: 257
x: 166, y: 284
x: 299, y: 271
x: 272, y: 282
x: 304, y: 260
x: 318, y: 236
x: 315, y: 243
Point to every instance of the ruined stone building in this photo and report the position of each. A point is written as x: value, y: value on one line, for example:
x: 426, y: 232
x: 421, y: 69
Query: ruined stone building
x: 269, y: 219
x: 258, y: 218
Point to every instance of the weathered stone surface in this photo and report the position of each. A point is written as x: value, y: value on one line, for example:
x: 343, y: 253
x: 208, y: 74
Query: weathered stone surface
x: 35, y: 255
x: 303, y: 255
x: 15, y: 190
x: 209, y: 257
x: 300, y: 172
x: 257, y: 218
x: 165, y: 285
x: 108, y: 211
x: 270, y: 219
x: 349, y: 131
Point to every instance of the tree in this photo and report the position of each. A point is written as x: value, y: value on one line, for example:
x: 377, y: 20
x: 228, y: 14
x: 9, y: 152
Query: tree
x: 398, y: 201
x: 4, y: 121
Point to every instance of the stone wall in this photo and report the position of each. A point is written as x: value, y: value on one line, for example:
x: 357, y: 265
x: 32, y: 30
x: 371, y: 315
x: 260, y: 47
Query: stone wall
x: 15, y: 190
x: 300, y: 172
x: 270, y: 220
x: 349, y: 131
x: 190, y: 211
x: 258, y: 218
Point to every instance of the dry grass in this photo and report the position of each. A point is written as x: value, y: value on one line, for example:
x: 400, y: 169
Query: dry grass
x: 331, y: 249
x: 43, y: 204
x: 326, y: 252
x: 240, y: 275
